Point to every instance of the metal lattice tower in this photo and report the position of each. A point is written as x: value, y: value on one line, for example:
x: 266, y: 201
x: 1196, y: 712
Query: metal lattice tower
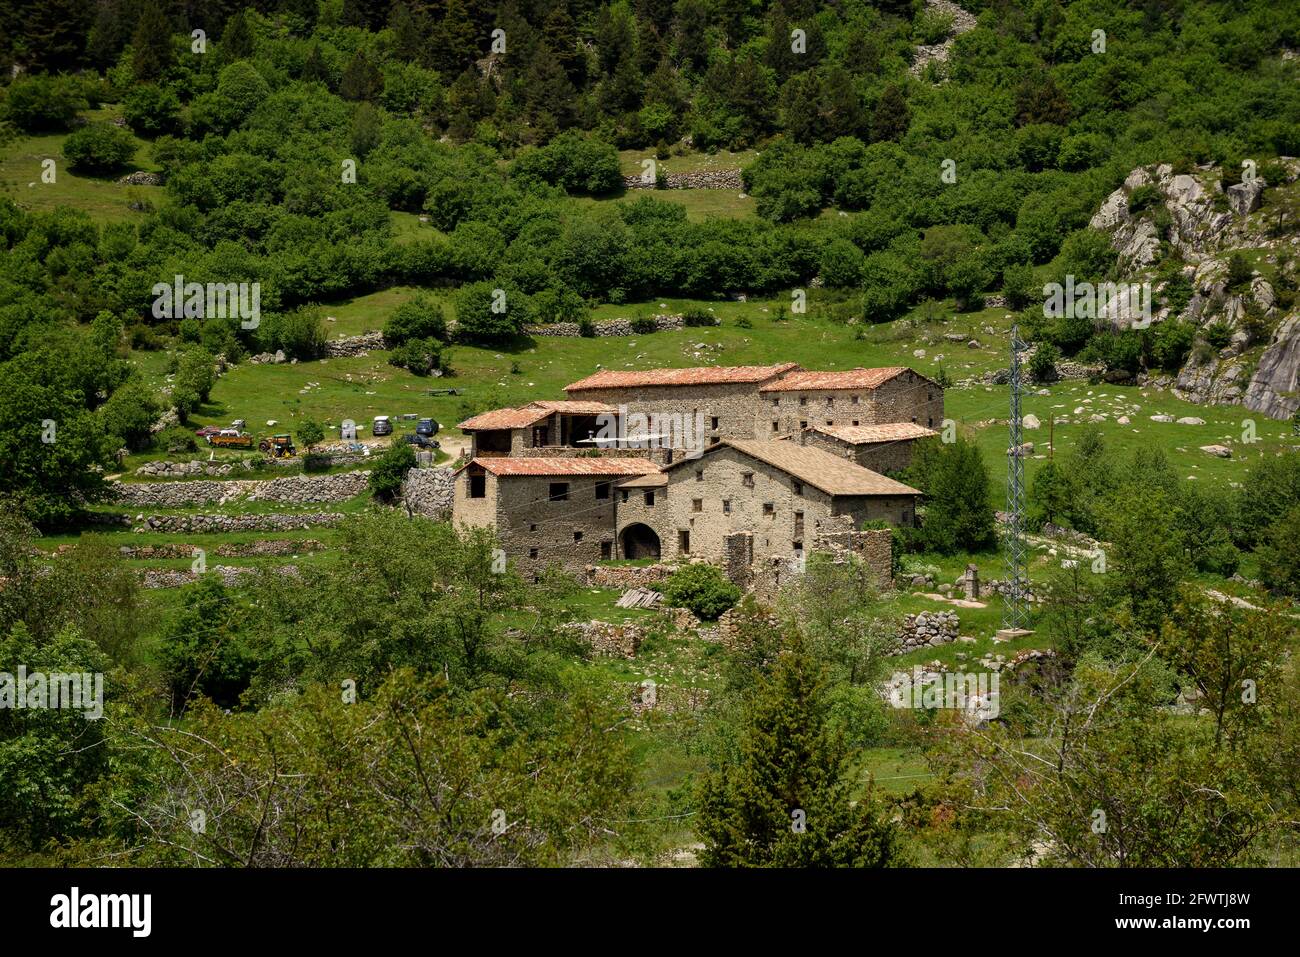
x: 1016, y: 613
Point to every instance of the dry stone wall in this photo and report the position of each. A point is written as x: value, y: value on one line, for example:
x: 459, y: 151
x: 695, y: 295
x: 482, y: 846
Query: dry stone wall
x: 429, y: 492
x: 928, y: 629
x: 295, y: 490
x: 626, y: 576
x: 209, y: 524
x: 700, y: 179
x: 349, y: 346
x: 607, y: 327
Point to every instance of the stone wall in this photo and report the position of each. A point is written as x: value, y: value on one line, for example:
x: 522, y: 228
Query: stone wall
x: 607, y: 638
x: 700, y: 179
x: 176, y: 577
x: 278, y: 547
x: 350, y: 346
x: 928, y: 629
x: 626, y: 576
x: 295, y: 489
x: 607, y: 327
x: 429, y: 492
x: 266, y: 522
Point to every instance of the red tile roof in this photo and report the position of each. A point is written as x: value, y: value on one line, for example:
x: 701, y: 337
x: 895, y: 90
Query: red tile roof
x: 504, y: 419
x: 867, y: 434
x: 809, y: 380
x: 575, y: 406
x: 701, y: 375
x: 565, y: 465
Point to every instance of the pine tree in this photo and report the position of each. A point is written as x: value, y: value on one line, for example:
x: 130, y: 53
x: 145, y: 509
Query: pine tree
x: 562, y: 39
x: 55, y: 31
x: 361, y: 79
x: 891, y: 118
x: 787, y: 800
x: 457, y: 44
x: 151, y: 50
x: 236, y: 39
x: 408, y: 39
x: 547, y: 89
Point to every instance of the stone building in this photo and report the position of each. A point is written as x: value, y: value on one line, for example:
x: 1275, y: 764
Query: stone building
x: 881, y: 448
x: 784, y: 494
x: 539, y: 428
x: 804, y: 399
x: 546, y: 509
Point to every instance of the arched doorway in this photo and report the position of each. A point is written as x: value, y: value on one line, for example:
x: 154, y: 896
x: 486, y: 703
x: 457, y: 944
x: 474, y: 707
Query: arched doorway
x: 639, y: 541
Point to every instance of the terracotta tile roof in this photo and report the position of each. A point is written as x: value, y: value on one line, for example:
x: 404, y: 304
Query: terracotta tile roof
x: 702, y: 375
x: 565, y: 465
x: 867, y: 434
x: 809, y: 379
x: 504, y: 419
x: 820, y: 469
x: 653, y: 480
x: 575, y: 406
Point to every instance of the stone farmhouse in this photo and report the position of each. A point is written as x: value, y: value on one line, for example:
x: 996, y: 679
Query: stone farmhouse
x: 783, y: 461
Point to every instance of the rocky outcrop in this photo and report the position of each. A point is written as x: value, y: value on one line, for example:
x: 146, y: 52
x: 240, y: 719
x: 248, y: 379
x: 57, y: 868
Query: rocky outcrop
x: 962, y: 21
x: 1273, y: 388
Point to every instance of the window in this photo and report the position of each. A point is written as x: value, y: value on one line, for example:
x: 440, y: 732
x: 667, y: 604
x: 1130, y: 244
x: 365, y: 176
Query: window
x: 830, y: 422
x: 930, y: 422
x: 857, y: 399
x: 622, y: 495
x: 699, y: 475
x: 606, y: 549
x: 559, y: 491
x: 855, y: 421
x: 769, y: 508
x: 830, y: 401
x: 713, y: 422
x: 747, y: 479
x: 478, y: 486
x: 684, y: 542
x: 539, y: 436
x: 602, y: 489
x: 803, y: 423
x: 577, y: 536
x: 713, y: 440
x: 532, y: 528
x: 726, y: 506
x: 776, y: 402
x: 697, y: 505
x: 803, y: 400
x: 798, y: 527
x: 798, y: 487
x: 650, y: 497
x: 532, y: 553
x: 776, y: 426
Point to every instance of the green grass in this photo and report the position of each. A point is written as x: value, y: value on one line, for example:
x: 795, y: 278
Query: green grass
x: 700, y: 204
x: 100, y: 197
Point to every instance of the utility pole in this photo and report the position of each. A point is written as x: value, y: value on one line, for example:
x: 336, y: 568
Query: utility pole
x: 1015, y: 615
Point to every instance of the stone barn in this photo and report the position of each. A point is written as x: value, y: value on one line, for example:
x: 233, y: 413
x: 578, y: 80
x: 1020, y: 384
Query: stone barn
x: 881, y: 448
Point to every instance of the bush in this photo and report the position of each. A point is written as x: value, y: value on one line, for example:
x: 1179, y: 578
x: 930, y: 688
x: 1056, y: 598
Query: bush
x: 1018, y: 286
x: 703, y: 589
x: 420, y: 356
x: 1042, y: 365
x: 176, y: 438
x: 388, y: 473
x: 99, y: 148
x: 576, y: 163
x: 152, y: 110
x: 300, y: 334
x: 128, y: 415
x: 698, y: 317
x: 39, y: 103
x: 644, y: 325
x: 1143, y: 198
x: 490, y: 312
x: 421, y: 318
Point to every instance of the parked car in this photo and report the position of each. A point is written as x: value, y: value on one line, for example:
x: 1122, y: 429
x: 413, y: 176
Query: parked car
x: 421, y: 441
x: 426, y: 427
x: 207, y: 430
x: 381, y: 426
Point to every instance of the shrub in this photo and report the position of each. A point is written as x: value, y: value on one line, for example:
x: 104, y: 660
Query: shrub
x: 490, y: 312
x: 586, y: 328
x: 300, y: 334
x: 698, y: 317
x: 152, y: 110
x: 1018, y: 286
x: 420, y: 356
x: 176, y: 438
x: 99, y: 148
x: 703, y: 589
x: 1042, y: 365
x: 388, y: 473
x: 1143, y: 198
x: 39, y: 103
x: 644, y: 325
x: 421, y: 318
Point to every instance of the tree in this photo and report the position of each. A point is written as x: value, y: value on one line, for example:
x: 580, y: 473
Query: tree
x: 361, y: 79
x: 958, y: 509
x: 786, y: 800
x: 1146, y: 559
x: 389, y: 472
x: 1279, y: 558
x: 99, y: 148
x: 151, y: 44
x: 418, y: 318
x: 891, y: 117
x: 310, y: 433
x: 702, y: 588
x: 37, y: 103
x: 152, y: 110
x: 490, y: 312
x: 1050, y: 495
